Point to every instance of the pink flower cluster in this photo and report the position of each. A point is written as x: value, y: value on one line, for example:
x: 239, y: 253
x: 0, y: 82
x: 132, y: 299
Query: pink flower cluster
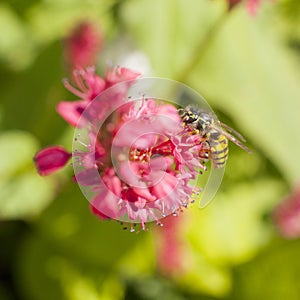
x: 88, y: 86
x: 137, y: 159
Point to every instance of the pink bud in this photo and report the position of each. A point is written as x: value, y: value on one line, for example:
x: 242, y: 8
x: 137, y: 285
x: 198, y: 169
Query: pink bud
x: 83, y: 45
x: 51, y: 159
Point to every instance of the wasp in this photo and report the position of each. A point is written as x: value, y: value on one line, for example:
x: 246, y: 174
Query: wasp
x: 215, y: 134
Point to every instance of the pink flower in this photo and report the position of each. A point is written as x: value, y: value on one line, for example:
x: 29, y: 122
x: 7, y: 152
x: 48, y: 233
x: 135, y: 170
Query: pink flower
x: 135, y: 160
x: 51, y: 159
x: 83, y: 45
x: 87, y: 86
x: 287, y: 216
x: 148, y: 162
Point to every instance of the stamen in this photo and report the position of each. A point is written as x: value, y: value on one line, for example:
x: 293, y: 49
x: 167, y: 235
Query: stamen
x: 78, y: 78
x: 140, y: 109
x: 81, y: 142
x: 73, y: 90
x: 163, y: 208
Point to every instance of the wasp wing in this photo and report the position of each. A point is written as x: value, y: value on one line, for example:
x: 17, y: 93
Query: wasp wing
x: 229, y: 129
x: 231, y: 138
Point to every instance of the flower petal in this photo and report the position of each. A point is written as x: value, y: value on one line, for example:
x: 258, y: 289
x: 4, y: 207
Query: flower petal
x: 71, y: 111
x: 116, y: 75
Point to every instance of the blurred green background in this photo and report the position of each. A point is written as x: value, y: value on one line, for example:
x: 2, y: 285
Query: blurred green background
x: 248, y: 69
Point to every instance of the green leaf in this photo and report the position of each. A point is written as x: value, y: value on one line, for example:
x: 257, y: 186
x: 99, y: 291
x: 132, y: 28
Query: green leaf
x: 44, y: 273
x: 152, y: 288
x: 17, y: 149
x: 23, y: 193
x: 274, y: 274
x: 242, y: 67
x: 69, y: 225
x: 249, y: 74
x: 169, y: 31
x: 231, y: 229
x: 24, y: 197
x: 4, y: 295
x: 67, y: 15
x: 16, y: 47
x: 31, y: 106
x: 36, y: 271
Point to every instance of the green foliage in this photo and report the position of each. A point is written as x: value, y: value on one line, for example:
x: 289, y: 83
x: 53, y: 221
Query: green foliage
x: 70, y: 226
x: 23, y: 194
x: 274, y: 274
x: 261, y: 93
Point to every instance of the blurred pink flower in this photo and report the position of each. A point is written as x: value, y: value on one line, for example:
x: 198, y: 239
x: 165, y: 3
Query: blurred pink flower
x: 252, y: 5
x: 51, y: 159
x: 83, y: 45
x: 287, y: 215
x: 145, y: 169
x: 170, y: 247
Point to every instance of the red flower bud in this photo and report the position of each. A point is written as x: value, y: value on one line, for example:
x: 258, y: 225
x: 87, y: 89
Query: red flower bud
x: 51, y: 159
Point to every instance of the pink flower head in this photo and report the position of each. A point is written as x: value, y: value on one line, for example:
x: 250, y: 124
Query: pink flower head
x: 287, y: 215
x: 134, y: 159
x: 51, y: 159
x: 149, y: 159
x: 87, y: 86
x: 83, y: 45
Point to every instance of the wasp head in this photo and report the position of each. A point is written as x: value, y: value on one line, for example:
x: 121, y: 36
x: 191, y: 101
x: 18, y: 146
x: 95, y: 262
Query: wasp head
x: 189, y: 116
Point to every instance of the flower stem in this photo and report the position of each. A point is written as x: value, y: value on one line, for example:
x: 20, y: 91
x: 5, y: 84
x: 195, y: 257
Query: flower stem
x: 201, y: 48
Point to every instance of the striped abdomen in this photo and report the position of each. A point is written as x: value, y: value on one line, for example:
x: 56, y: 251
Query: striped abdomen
x: 218, y: 149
